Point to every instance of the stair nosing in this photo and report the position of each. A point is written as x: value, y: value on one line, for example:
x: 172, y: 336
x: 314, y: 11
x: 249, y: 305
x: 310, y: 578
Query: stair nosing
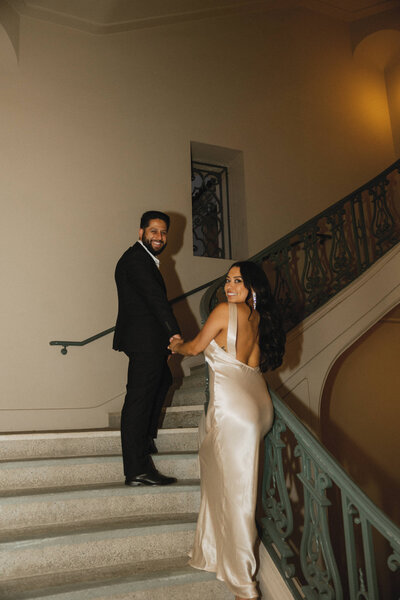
x: 86, y: 459
x: 61, y: 493
x: 96, y: 532
x: 185, y: 408
x: 168, y: 577
x: 73, y: 434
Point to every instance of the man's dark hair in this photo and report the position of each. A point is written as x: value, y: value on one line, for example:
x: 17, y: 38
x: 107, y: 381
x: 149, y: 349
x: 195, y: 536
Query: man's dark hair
x: 153, y: 214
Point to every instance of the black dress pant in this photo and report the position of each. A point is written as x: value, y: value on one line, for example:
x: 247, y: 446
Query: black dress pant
x: 149, y: 378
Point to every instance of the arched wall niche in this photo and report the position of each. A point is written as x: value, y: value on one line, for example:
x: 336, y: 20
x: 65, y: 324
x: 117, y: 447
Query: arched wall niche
x: 360, y: 412
x: 363, y: 28
x: 9, y: 35
x: 381, y: 50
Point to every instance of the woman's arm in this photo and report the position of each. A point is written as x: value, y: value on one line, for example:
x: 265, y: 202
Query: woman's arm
x: 217, y: 321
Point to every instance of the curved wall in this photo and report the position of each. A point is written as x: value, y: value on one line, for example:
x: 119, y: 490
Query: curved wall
x: 360, y: 412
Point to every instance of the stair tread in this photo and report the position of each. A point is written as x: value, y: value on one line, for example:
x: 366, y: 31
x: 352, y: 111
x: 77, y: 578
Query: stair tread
x: 109, y: 432
x: 38, y: 494
x: 56, y: 537
x: 155, y: 573
x: 63, y: 531
x: 87, y: 458
x: 172, y: 409
x: 185, y: 408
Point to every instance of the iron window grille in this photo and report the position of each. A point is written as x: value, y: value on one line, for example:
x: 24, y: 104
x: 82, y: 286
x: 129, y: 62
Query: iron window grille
x: 210, y: 210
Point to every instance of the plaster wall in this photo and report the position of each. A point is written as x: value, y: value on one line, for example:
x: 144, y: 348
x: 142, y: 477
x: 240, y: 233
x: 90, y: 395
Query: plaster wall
x: 392, y: 75
x: 360, y: 413
x: 96, y: 129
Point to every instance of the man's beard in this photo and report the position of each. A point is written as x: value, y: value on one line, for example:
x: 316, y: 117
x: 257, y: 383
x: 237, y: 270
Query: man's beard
x: 146, y: 242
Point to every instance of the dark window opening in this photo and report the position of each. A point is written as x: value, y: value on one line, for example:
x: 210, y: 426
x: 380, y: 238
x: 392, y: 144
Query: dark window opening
x: 210, y: 211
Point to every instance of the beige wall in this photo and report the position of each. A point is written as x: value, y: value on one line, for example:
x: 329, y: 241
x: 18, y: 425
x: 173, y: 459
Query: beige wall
x: 393, y: 90
x: 96, y: 129
x: 360, y: 413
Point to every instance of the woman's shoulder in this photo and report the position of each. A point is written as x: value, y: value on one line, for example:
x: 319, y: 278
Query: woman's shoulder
x: 221, y: 309
x: 220, y: 312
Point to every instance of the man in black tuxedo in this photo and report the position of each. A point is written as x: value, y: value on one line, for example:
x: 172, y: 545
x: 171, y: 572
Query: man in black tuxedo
x: 145, y: 323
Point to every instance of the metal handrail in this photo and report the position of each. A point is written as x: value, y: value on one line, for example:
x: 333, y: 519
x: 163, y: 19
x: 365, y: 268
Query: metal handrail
x: 66, y: 343
x: 312, y: 561
x: 312, y: 263
x: 296, y: 299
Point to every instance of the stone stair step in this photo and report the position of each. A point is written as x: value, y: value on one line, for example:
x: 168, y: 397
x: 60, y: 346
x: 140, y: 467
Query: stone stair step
x: 189, y: 396
x: 154, y: 580
x: 64, y: 472
x: 57, y: 548
x: 87, y: 443
x: 173, y: 417
x: 64, y: 508
x: 91, y: 503
x: 182, y: 416
x: 196, y: 379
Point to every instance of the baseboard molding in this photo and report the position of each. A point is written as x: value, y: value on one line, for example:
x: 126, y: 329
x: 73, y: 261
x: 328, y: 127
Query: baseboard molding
x: 272, y: 584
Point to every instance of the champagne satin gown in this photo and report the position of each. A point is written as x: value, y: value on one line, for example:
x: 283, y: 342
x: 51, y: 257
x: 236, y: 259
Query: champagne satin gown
x: 239, y: 415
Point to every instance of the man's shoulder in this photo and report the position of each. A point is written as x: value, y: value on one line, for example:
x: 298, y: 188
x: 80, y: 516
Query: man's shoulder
x: 134, y: 252
x: 137, y: 260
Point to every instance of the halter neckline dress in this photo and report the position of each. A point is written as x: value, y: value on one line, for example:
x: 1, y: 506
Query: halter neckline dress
x: 239, y: 415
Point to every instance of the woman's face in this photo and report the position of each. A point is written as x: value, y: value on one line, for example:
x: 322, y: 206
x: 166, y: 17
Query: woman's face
x: 234, y: 288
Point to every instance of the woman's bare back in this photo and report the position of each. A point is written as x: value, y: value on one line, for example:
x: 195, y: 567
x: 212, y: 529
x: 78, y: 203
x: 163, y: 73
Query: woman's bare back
x: 247, y: 348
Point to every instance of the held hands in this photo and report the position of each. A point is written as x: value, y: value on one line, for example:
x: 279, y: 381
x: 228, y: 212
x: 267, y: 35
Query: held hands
x: 174, y: 342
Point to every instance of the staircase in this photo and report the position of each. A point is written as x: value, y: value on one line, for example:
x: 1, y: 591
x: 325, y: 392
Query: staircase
x: 70, y: 529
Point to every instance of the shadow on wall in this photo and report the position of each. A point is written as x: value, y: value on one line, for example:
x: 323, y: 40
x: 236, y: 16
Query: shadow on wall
x: 184, y: 314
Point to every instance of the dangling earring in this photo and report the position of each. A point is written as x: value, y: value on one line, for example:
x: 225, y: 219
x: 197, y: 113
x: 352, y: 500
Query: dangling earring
x: 254, y: 300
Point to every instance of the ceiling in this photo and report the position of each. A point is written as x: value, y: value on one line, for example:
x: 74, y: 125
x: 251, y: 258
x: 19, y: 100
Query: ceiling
x: 109, y: 16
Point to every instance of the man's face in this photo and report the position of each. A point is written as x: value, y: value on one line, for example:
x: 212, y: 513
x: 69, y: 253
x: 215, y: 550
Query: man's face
x: 154, y: 237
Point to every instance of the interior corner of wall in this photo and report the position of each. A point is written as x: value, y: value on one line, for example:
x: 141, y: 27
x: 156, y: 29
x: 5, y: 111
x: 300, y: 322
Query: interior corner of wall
x: 10, y: 25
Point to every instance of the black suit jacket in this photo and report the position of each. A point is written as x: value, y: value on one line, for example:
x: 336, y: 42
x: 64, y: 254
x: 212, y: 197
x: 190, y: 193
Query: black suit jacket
x: 145, y: 319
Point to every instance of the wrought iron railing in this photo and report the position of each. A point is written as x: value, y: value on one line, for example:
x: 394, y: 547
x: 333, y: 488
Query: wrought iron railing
x: 320, y: 529
x: 311, y: 264
x: 315, y: 261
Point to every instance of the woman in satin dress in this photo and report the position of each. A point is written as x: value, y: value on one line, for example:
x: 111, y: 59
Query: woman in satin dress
x: 241, y: 338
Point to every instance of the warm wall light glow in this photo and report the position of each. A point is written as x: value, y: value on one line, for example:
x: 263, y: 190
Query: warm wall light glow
x: 372, y: 103
x: 392, y: 76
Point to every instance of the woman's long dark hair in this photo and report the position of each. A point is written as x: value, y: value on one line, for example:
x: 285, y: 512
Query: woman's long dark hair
x: 271, y: 333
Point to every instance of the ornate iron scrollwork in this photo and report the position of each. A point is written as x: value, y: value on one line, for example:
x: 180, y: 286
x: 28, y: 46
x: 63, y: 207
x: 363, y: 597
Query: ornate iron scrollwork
x: 394, y: 561
x: 318, y: 259
x: 210, y: 210
x: 383, y: 223
x: 316, y: 553
x: 278, y: 522
x: 341, y: 259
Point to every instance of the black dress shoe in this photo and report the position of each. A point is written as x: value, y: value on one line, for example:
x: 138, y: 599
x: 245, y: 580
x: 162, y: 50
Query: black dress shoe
x: 152, y: 446
x: 152, y: 478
